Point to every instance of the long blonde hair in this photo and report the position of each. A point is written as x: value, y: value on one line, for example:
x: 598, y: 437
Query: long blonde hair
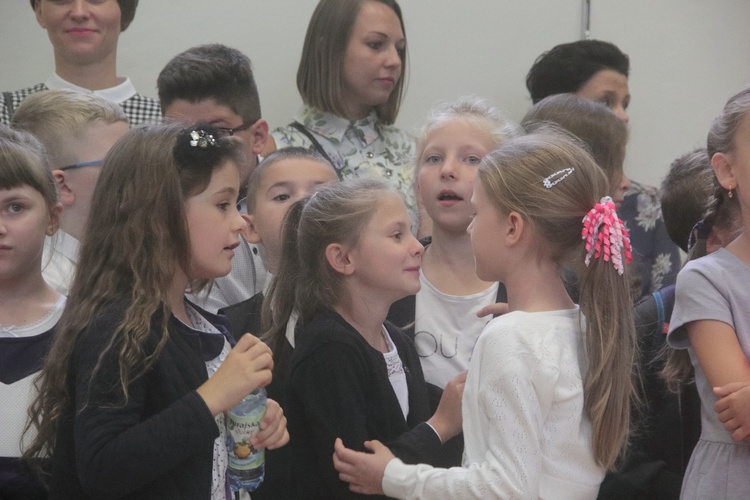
x: 512, y: 176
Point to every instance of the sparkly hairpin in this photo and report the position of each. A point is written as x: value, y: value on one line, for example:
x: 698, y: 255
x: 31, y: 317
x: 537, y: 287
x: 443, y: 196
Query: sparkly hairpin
x: 201, y: 139
x: 606, y: 236
x: 553, y: 179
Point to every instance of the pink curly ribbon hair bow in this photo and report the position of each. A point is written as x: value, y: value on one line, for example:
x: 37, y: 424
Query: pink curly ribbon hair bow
x: 606, y: 236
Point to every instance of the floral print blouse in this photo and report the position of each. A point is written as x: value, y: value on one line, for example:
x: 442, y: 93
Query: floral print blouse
x: 359, y: 148
x: 656, y: 256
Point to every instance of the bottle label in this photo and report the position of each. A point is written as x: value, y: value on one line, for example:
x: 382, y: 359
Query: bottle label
x: 240, y: 430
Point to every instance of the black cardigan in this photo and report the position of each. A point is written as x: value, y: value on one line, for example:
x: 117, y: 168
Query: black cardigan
x: 339, y: 387
x: 160, y: 443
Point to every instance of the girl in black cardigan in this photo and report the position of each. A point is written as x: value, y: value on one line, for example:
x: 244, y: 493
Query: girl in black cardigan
x: 348, y: 254
x: 133, y: 392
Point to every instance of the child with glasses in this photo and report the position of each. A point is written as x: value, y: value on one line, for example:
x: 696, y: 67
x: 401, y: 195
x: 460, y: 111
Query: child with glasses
x: 215, y: 84
x: 77, y: 131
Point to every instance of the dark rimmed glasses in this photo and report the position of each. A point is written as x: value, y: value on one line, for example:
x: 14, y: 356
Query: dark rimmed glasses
x: 226, y: 132
x: 95, y: 163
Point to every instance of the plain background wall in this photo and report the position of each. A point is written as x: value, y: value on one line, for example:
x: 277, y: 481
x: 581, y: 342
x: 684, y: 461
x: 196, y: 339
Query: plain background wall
x: 687, y: 56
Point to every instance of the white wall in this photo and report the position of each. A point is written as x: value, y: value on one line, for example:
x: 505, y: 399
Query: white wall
x: 688, y: 56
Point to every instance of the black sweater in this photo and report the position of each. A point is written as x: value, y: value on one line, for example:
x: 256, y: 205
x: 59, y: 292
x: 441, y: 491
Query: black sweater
x: 339, y: 387
x: 159, y: 444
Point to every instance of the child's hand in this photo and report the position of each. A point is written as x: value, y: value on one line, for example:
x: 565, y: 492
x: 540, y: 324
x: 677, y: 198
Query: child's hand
x: 448, y: 420
x: 496, y: 309
x: 363, y: 471
x: 273, y: 433
x: 247, y: 367
x: 733, y: 408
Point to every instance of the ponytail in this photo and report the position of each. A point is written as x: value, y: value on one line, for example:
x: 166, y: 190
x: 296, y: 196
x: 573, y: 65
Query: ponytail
x: 278, y: 306
x: 610, y: 340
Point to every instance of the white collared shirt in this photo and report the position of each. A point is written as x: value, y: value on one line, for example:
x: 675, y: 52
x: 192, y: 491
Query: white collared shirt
x: 59, y: 260
x: 123, y: 91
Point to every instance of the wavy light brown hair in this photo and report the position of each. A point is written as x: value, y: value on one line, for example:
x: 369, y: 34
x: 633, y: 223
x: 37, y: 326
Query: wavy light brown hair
x: 512, y: 177
x: 320, y: 76
x: 134, y: 243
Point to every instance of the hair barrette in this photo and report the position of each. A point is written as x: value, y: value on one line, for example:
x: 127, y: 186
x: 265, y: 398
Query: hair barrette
x: 555, y: 178
x: 700, y: 231
x: 201, y: 139
x: 606, y: 236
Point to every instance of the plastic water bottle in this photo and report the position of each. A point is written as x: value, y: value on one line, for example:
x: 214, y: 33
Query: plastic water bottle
x: 246, y: 464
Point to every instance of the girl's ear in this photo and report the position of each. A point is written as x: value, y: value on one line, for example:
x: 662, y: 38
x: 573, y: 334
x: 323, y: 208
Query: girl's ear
x: 722, y: 164
x: 339, y: 258
x: 249, y: 233
x: 514, y: 230
x: 54, y: 219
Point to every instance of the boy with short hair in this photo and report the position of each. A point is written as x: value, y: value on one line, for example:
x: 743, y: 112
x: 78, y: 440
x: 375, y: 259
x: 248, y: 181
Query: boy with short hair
x: 283, y: 178
x: 77, y: 130
x: 215, y: 84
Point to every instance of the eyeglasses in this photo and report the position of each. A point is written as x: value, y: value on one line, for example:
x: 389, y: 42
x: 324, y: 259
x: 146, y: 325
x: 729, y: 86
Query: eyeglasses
x: 225, y: 132
x: 94, y: 163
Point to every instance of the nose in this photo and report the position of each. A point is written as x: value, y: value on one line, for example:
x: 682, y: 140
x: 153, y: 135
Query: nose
x: 621, y: 113
x: 448, y: 169
x: 79, y: 9
x: 238, y: 222
x: 393, y: 59
x: 417, y: 247
x: 625, y: 183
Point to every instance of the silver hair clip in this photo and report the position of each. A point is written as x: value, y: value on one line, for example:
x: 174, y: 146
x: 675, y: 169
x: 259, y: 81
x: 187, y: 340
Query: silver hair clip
x: 201, y: 139
x: 553, y: 179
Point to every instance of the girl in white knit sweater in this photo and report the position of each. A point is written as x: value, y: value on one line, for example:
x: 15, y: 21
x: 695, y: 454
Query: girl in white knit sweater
x: 547, y: 400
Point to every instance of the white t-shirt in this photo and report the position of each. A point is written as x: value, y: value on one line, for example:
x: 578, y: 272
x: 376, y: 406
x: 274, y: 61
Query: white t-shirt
x: 59, y: 260
x: 446, y: 328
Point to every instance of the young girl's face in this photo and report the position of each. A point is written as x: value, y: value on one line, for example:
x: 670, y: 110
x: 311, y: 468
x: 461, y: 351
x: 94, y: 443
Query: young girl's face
x: 214, y: 224
x: 25, y: 219
x: 486, y: 230
x: 387, y: 258
x: 372, y: 59
x: 447, y: 168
